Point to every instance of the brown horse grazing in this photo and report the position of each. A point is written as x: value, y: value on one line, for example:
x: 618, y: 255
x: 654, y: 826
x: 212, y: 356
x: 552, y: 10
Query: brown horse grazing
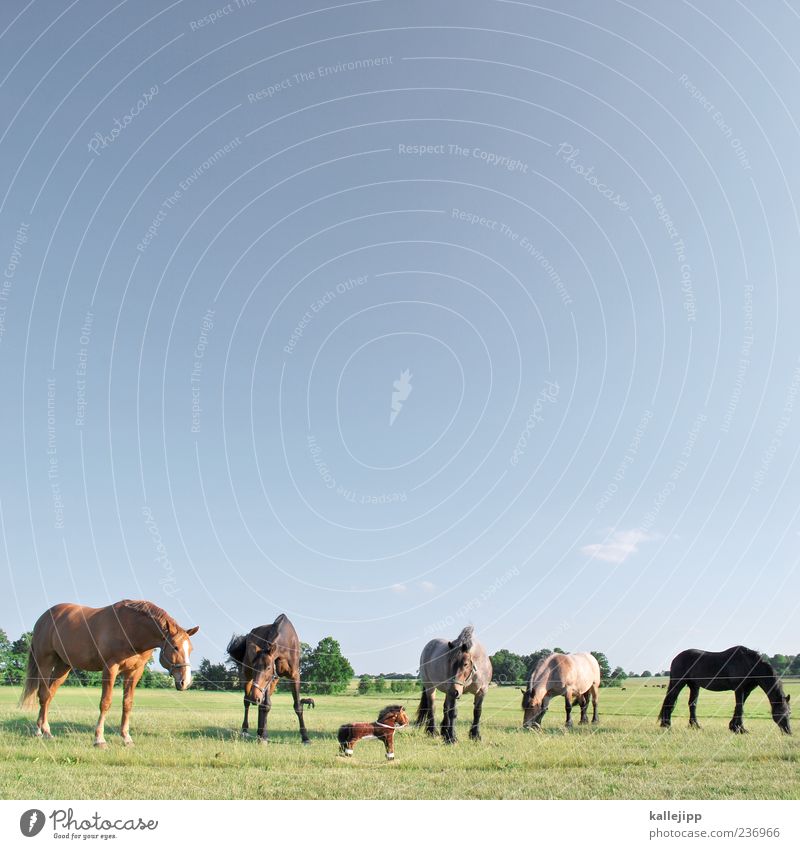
x: 576, y: 677
x: 116, y: 639
x: 308, y: 703
x: 267, y: 653
x: 459, y: 666
x: 390, y: 718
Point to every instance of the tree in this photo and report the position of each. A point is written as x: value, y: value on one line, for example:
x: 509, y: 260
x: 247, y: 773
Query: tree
x: 507, y: 667
x: 379, y: 684
x: 364, y: 685
x: 619, y: 674
x: 327, y: 670
x: 531, y: 661
x: 605, y: 667
x: 794, y: 666
x: 215, y: 676
x: 17, y: 659
x: 646, y: 674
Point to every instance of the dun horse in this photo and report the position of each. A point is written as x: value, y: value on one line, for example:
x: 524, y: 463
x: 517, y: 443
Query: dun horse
x: 453, y: 668
x: 739, y: 669
x: 576, y: 677
x: 390, y: 718
x: 116, y: 639
x: 267, y: 653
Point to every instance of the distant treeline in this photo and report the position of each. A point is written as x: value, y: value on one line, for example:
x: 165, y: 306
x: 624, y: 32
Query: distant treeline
x: 325, y: 670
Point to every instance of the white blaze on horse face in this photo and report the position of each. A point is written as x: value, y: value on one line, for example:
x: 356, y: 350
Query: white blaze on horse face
x: 187, y: 675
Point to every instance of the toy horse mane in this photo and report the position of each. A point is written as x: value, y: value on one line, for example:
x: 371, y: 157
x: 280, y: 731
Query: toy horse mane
x: 465, y: 637
x: 164, y: 621
x: 387, y: 711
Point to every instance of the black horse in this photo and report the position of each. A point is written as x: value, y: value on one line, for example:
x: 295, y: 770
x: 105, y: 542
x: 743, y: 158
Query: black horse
x: 267, y: 653
x: 739, y: 669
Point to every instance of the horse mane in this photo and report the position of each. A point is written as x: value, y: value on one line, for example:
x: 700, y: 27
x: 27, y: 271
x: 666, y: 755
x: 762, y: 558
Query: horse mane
x: 236, y: 648
x: 164, y: 621
x: 389, y: 709
x: 465, y: 637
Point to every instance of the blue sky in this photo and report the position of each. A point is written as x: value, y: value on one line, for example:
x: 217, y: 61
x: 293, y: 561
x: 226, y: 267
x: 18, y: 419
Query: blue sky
x: 395, y: 316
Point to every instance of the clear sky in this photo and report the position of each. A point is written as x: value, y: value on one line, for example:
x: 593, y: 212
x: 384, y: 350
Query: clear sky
x: 395, y: 316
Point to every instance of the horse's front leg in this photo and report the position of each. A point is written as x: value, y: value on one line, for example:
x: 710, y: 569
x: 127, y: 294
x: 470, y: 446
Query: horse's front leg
x: 449, y: 719
x: 298, y: 709
x: 694, y: 694
x: 737, y: 723
x: 475, y: 730
x: 388, y: 741
x: 109, y: 676
x: 584, y: 708
x: 568, y: 708
x: 131, y: 680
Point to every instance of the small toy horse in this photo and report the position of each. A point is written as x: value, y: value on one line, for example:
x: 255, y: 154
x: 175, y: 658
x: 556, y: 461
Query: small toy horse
x: 391, y: 717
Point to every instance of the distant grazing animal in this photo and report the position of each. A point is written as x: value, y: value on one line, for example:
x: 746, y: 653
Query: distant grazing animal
x: 308, y: 703
x: 576, y: 677
x: 119, y: 638
x: 459, y: 666
x: 267, y: 653
x: 739, y: 669
x: 390, y: 718
x: 624, y: 689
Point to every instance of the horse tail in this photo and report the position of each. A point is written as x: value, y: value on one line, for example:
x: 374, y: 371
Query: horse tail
x: 236, y: 649
x: 344, y: 735
x: 424, y: 709
x: 28, y: 697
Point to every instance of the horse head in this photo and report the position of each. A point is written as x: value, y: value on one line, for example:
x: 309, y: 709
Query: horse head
x: 533, y: 709
x: 782, y: 713
x: 462, y: 664
x: 260, y: 658
x: 174, y: 656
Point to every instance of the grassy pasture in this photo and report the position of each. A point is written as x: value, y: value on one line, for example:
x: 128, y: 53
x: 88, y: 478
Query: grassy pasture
x: 187, y: 747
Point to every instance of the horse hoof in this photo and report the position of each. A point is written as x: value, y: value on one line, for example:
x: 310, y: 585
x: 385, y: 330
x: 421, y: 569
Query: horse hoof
x: 595, y: 722
x: 263, y: 741
x: 245, y: 734
x: 46, y: 735
x: 306, y: 742
x: 128, y: 742
x: 100, y: 744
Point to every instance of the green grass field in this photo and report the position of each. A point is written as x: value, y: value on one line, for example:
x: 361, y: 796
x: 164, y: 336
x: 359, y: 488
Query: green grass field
x: 187, y: 748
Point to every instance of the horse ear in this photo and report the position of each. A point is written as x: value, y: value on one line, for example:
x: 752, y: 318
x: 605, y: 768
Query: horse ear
x: 194, y: 630
x: 450, y: 645
x: 788, y: 696
x: 271, y: 648
x: 464, y: 648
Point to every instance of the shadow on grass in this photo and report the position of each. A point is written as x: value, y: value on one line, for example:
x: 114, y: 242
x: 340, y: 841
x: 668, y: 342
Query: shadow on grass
x: 27, y: 727
x: 217, y: 732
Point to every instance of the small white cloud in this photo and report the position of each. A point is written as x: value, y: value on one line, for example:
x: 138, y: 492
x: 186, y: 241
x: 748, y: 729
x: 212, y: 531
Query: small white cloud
x: 428, y: 586
x: 619, y: 546
x: 398, y: 588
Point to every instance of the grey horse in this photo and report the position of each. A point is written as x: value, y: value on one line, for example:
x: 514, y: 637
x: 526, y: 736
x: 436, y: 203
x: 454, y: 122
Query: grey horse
x: 455, y: 667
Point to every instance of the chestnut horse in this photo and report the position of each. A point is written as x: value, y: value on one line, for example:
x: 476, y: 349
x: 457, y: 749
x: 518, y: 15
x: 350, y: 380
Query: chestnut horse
x: 576, y: 677
x: 116, y: 639
x: 267, y: 653
x: 453, y: 668
x: 390, y: 718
